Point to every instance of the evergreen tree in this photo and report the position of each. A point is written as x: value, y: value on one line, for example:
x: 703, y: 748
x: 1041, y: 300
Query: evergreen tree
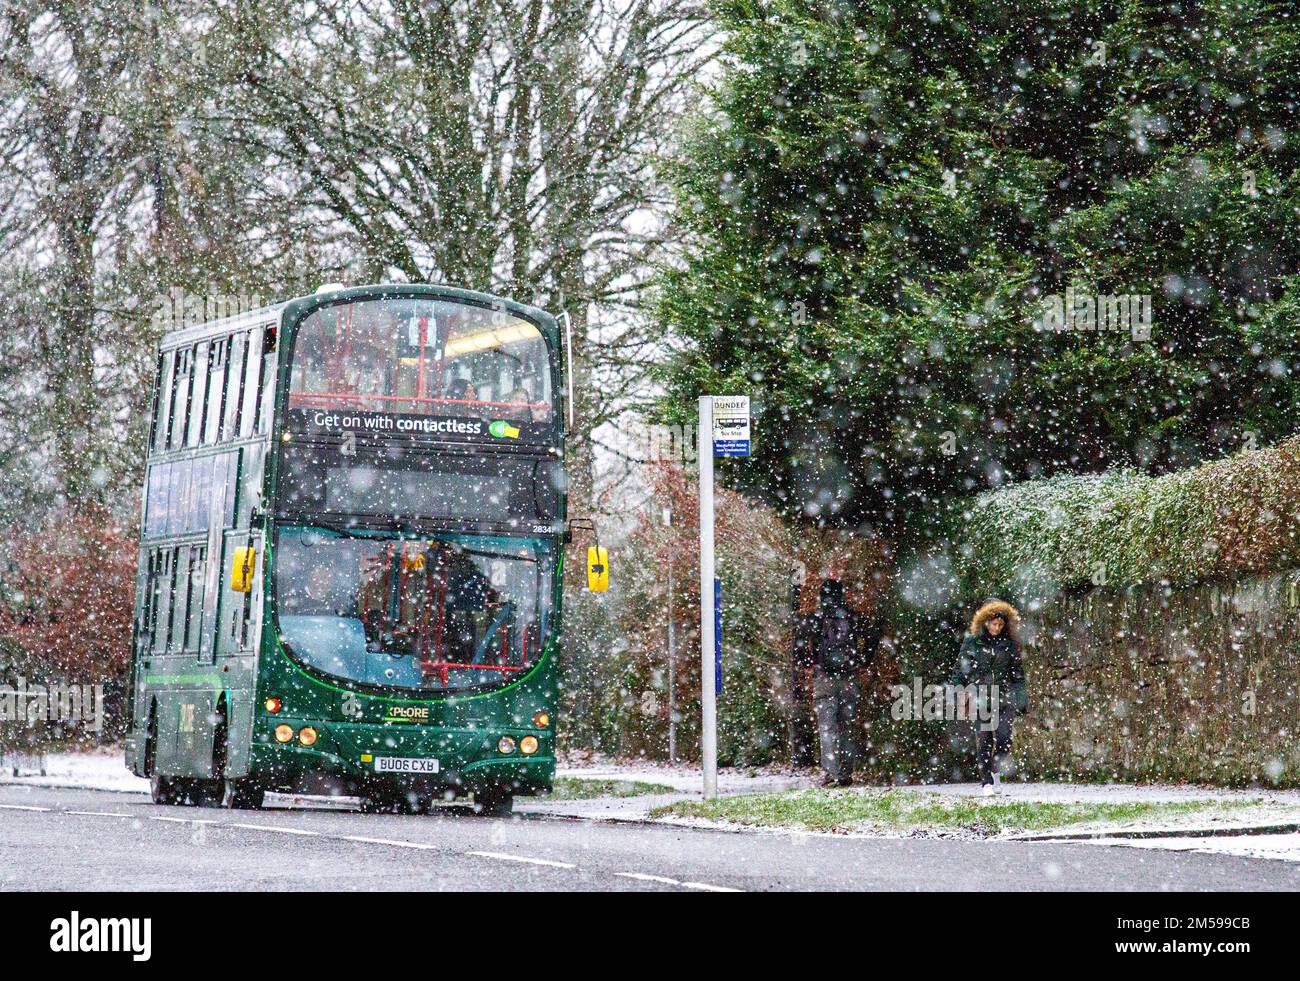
x: 885, y: 196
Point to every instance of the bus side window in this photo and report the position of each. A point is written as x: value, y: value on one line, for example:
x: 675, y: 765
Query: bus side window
x: 178, y: 474
x: 218, y: 362
x: 180, y: 596
x: 180, y: 395
x: 265, y: 382
x: 161, y: 600
x: 147, y: 600
x: 194, y: 608
x: 235, y: 384
x: 158, y: 410
x: 198, y: 395
x: 252, y: 382
x: 223, y: 477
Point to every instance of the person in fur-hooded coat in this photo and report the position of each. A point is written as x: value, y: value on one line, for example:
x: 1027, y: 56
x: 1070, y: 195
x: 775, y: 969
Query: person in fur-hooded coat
x: 990, y: 656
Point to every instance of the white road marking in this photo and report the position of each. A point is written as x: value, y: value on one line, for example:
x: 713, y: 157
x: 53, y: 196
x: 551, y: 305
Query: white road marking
x: 171, y: 820
x: 504, y: 857
x: 645, y: 877
x: 268, y: 827
x: 21, y: 807
x: 98, y: 814
x: 388, y: 841
x: 649, y: 878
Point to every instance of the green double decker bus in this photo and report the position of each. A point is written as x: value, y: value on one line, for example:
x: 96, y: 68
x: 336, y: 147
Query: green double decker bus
x: 351, y: 553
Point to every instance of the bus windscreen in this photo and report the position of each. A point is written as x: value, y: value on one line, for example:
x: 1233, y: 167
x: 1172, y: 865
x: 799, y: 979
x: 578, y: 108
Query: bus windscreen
x: 444, y: 613
x: 380, y: 364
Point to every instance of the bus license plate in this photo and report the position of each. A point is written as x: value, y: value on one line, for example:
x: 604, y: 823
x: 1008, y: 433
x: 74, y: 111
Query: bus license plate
x: 402, y: 764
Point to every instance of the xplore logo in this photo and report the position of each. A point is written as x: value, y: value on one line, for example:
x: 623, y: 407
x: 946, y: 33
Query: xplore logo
x: 102, y: 934
x: 408, y: 713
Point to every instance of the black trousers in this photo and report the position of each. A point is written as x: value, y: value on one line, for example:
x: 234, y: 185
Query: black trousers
x: 991, y: 746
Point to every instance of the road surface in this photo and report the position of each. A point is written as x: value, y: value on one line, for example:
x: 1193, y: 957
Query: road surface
x: 61, y: 839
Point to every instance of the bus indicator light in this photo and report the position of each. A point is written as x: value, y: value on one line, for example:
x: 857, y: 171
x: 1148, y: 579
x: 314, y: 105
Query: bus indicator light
x: 541, y: 720
x: 528, y: 745
x: 283, y: 733
x: 273, y: 705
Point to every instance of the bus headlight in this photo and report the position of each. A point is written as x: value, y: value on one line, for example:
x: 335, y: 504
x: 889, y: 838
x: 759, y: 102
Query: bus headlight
x: 542, y: 720
x: 283, y: 733
x: 506, y: 744
x: 307, y: 736
x: 528, y: 745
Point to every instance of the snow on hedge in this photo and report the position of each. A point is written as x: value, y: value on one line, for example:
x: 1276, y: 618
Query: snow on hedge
x: 1236, y: 515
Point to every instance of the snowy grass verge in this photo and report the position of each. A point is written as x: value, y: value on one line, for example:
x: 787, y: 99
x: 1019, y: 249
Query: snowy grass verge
x: 578, y: 788
x: 891, y: 811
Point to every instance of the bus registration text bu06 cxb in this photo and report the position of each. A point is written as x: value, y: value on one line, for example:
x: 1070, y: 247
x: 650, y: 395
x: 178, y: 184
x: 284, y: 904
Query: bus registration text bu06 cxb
x: 402, y: 764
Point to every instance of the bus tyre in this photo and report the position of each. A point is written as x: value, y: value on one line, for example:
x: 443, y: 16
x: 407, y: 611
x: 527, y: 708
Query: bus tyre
x: 243, y: 795
x: 494, y: 802
x: 168, y: 790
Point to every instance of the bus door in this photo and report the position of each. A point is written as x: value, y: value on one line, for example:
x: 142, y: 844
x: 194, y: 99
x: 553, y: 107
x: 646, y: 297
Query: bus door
x: 243, y: 549
x: 220, y: 491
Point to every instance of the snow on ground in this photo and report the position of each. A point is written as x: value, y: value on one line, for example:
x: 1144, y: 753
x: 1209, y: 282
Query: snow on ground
x: 686, y: 780
x: 1116, y: 793
x: 98, y: 769
x: 1285, y: 847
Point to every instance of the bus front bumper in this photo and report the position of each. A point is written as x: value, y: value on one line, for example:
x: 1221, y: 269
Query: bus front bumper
x: 356, y: 755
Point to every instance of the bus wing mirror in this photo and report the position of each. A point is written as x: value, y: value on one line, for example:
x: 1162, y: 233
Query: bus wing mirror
x: 242, y: 569
x: 597, y: 569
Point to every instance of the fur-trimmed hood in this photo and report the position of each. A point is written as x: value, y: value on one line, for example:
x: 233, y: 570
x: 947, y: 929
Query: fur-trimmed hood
x: 993, y: 609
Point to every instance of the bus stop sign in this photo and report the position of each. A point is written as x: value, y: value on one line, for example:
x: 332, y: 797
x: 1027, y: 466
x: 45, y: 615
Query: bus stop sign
x: 731, y: 425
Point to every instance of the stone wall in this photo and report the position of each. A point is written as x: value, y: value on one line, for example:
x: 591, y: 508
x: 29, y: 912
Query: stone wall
x: 1156, y: 684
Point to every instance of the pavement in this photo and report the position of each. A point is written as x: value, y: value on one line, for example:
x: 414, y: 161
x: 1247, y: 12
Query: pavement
x: 54, y: 838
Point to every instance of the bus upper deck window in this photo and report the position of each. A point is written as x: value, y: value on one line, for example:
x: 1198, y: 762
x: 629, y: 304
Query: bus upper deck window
x: 422, y: 356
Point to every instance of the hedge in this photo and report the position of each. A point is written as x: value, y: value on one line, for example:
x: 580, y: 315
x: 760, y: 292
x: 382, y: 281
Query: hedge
x: 1229, y: 517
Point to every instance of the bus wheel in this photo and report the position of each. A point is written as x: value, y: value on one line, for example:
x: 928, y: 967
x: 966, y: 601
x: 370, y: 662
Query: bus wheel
x: 244, y: 795
x: 494, y: 802
x: 168, y: 790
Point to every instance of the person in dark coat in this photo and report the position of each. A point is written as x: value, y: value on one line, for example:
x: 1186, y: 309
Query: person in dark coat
x: 839, y: 642
x: 990, y: 656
